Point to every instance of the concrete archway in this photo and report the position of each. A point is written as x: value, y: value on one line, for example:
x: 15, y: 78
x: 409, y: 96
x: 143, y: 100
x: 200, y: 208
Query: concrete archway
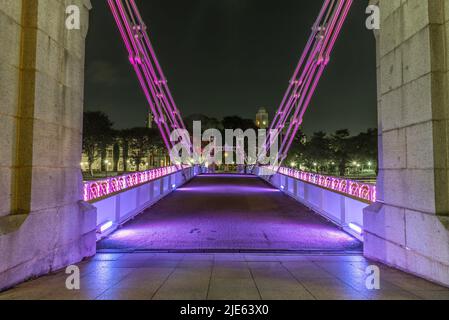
x: 408, y: 226
x: 45, y: 226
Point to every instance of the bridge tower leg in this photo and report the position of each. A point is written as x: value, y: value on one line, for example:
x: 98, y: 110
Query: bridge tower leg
x: 43, y: 223
x: 408, y: 226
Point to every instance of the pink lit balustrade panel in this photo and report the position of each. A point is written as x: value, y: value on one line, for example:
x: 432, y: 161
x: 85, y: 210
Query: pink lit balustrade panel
x: 101, y: 188
x: 364, y: 191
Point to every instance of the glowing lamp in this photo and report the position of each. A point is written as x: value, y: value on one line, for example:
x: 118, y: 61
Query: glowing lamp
x: 106, y: 226
x: 356, y: 228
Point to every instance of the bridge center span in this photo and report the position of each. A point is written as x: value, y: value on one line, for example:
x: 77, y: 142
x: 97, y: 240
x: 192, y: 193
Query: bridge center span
x: 230, y: 213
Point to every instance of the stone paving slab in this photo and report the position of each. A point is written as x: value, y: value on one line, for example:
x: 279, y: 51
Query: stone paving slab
x: 140, y: 276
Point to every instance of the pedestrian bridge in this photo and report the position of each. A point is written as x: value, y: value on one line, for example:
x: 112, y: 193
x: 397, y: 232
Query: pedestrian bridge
x: 45, y: 225
x: 225, y: 213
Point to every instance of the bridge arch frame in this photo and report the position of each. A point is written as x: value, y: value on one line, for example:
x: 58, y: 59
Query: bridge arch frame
x: 46, y: 226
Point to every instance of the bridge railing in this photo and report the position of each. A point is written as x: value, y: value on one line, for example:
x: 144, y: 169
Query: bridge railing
x: 118, y: 199
x: 363, y: 191
x: 95, y: 190
x: 339, y: 200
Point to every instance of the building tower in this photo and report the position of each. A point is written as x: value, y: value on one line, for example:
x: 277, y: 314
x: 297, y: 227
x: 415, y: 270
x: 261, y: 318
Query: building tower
x: 150, y: 121
x: 262, y: 121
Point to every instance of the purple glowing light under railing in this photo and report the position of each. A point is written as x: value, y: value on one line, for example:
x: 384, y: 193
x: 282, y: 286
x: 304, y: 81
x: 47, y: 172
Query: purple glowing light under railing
x: 355, y: 227
x: 363, y: 191
x: 106, y: 226
x: 98, y: 189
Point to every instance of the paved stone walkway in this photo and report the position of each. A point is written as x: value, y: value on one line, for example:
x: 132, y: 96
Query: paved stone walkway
x: 222, y: 212
x: 146, y: 276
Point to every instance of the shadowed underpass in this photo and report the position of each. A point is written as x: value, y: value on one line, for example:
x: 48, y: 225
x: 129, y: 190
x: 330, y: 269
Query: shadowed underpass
x: 229, y: 213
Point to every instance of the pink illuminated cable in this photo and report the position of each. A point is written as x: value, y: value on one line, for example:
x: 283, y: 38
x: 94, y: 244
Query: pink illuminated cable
x: 178, y: 121
x: 296, y: 86
x: 148, y: 70
x: 331, y: 33
x: 308, y: 72
x: 163, y: 95
x: 295, y: 102
x: 127, y: 33
x: 301, y: 61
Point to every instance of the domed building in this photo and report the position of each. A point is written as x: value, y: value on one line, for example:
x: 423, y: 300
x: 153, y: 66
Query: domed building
x: 262, y: 120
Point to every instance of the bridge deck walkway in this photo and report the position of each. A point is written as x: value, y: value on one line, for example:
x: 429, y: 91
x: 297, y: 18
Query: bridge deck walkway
x: 230, y: 213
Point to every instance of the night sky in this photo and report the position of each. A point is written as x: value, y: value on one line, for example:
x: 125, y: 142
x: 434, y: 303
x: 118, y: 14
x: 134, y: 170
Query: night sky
x: 230, y: 57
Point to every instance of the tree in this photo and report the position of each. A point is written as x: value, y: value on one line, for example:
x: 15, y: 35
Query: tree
x: 317, y: 152
x: 97, y: 134
x: 297, y: 150
x: 235, y: 122
x: 142, y: 142
x: 341, y: 148
x: 206, y: 122
x: 157, y: 146
x: 116, y: 154
x: 123, y: 138
x: 365, y: 147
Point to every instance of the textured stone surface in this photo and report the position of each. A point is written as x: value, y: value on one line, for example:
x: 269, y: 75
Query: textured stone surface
x: 146, y: 276
x: 409, y: 229
x: 43, y: 227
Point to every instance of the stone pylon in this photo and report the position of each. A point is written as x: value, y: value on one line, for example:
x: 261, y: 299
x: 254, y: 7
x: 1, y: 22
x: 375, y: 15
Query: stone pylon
x: 408, y: 227
x: 43, y: 223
